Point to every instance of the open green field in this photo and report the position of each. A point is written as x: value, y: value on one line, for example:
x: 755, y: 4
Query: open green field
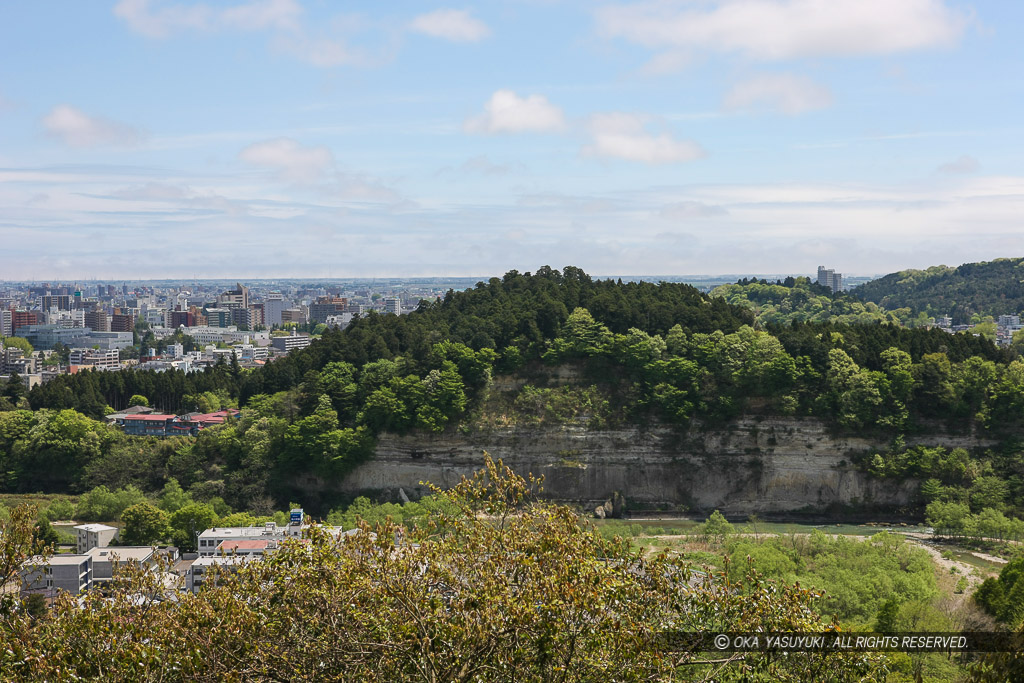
x: 40, y: 500
x: 689, y: 526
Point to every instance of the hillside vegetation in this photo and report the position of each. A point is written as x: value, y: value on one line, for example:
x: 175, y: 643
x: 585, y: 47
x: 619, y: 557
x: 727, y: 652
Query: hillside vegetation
x: 966, y: 293
x: 644, y: 354
x: 800, y: 300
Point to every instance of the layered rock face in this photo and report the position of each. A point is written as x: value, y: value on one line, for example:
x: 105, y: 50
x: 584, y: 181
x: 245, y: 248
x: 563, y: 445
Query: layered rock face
x: 751, y: 465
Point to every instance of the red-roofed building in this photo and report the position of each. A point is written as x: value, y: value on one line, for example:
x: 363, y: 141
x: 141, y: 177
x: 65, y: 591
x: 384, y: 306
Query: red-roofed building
x: 258, y: 546
x: 207, y: 419
x: 146, y: 425
x: 172, y: 425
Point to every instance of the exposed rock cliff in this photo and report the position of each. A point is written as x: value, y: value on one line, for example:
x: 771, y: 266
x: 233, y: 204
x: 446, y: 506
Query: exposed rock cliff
x: 767, y: 465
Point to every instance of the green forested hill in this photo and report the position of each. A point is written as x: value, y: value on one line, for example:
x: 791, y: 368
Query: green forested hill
x: 645, y: 353
x: 800, y: 300
x: 966, y: 293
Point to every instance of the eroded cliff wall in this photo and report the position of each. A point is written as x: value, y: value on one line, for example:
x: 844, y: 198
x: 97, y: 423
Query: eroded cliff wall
x: 752, y: 465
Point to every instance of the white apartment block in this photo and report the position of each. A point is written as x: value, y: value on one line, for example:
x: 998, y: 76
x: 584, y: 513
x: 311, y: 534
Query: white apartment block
x: 101, y: 359
x: 230, y: 334
x: 289, y: 343
x: 91, y: 536
x: 208, y: 335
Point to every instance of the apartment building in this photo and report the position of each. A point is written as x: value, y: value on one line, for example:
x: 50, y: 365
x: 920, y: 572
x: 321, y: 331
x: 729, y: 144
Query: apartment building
x: 90, y: 536
x: 69, y: 573
x: 291, y: 342
x: 100, y: 359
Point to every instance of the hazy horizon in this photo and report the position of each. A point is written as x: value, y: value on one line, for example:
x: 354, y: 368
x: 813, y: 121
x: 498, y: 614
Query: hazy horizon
x: 424, y: 277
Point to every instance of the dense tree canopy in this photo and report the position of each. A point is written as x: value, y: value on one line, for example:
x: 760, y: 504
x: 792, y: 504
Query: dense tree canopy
x: 965, y: 293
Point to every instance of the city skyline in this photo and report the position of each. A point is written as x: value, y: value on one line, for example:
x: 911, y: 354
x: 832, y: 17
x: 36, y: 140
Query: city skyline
x: 274, y: 139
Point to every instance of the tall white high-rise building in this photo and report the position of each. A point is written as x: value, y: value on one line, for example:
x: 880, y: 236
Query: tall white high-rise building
x: 272, y: 307
x: 830, y: 278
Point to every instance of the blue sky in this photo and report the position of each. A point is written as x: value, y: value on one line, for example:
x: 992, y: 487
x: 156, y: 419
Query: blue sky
x: 307, y: 138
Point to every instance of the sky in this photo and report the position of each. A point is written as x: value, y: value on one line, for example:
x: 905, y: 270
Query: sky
x: 314, y: 138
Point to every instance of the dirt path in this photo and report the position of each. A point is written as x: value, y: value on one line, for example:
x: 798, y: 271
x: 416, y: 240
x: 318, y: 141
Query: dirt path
x: 974, y: 578
x: 922, y: 540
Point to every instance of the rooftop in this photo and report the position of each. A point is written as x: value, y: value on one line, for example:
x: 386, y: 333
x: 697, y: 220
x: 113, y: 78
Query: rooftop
x: 137, y: 410
x: 219, y: 559
x: 95, y: 527
x: 260, y: 544
x: 123, y: 553
x: 218, y: 416
x: 233, y: 531
x: 66, y: 559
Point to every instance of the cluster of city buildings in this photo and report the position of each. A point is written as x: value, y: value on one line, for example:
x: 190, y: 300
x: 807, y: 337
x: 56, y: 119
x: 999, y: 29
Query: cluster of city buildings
x: 1006, y: 326
x: 95, y: 558
x: 98, y: 326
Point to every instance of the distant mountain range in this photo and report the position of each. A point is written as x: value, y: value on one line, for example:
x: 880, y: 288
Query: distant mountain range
x: 964, y: 293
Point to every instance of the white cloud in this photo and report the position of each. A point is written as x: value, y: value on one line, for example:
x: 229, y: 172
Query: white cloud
x: 261, y: 15
x: 624, y: 136
x: 963, y: 164
x: 290, y: 159
x: 483, y: 166
x: 322, y: 46
x: 360, y: 188
x: 257, y: 15
x: 322, y: 52
x: 666, y: 63
x: 769, y: 228
x: 161, y: 23
x: 451, y: 24
x: 682, y: 211
x: 785, y: 29
x: 75, y: 128
x: 151, y: 191
x: 507, y: 112
x: 788, y: 93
